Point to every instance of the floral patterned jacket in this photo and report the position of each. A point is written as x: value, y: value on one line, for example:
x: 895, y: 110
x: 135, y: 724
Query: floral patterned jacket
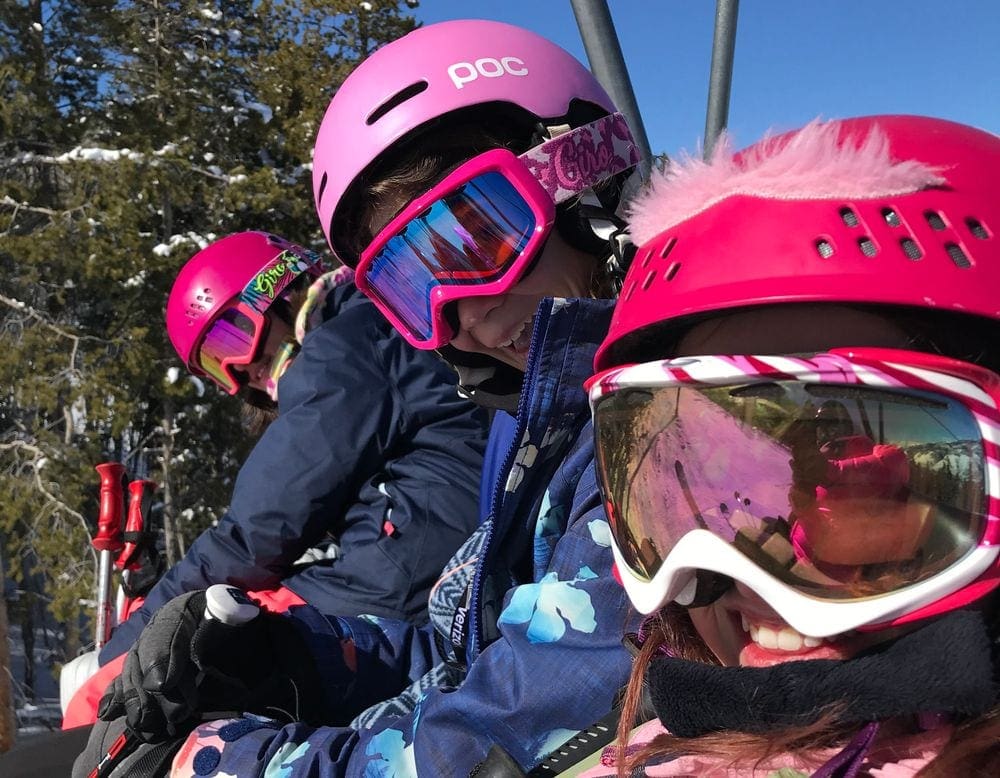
x: 543, y: 616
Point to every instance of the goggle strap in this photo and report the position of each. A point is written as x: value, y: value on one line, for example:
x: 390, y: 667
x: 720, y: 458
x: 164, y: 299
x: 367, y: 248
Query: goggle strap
x: 581, y: 158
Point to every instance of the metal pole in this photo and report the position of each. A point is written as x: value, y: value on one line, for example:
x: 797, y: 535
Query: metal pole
x: 604, y: 53
x: 720, y: 79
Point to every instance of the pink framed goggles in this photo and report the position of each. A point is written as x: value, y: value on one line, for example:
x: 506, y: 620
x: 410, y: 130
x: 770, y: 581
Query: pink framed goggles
x: 855, y: 489
x: 477, y: 231
x: 236, y: 335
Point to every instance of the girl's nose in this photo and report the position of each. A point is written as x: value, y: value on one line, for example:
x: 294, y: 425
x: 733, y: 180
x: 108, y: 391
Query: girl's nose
x: 473, y: 310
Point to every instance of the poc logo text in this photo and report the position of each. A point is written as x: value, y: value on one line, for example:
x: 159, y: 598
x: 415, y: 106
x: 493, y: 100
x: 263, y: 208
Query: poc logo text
x: 462, y: 73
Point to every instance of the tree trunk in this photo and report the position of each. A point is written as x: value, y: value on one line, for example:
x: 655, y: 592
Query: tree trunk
x: 171, y: 540
x: 7, y: 728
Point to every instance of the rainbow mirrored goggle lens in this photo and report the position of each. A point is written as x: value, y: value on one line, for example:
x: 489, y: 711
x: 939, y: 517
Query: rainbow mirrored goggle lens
x: 231, y: 341
x: 477, y: 231
x: 470, y: 236
x: 836, y: 477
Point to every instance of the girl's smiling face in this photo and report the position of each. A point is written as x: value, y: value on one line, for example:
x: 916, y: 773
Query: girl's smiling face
x: 500, y: 325
x: 740, y: 628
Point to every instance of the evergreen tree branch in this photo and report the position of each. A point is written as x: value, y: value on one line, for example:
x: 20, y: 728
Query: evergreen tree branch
x: 17, y: 305
x: 38, y: 458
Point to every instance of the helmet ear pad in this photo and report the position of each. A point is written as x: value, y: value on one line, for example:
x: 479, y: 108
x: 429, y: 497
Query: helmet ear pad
x: 574, y: 218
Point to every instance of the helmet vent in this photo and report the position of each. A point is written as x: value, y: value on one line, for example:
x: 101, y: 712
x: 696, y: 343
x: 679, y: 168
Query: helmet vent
x: 957, y: 255
x: 850, y: 218
x: 891, y: 217
x: 824, y: 248
x: 910, y: 248
x: 322, y: 188
x: 672, y: 271
x: 934, y: 220
x: 867, y: 246
x: 396, y: 100
x: 667, y: 248
x: 648, y: 280
x: 976, y: 228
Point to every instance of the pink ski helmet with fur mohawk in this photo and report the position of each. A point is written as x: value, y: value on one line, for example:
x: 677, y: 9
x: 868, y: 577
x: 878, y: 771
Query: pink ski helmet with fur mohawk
x: 891, y: 210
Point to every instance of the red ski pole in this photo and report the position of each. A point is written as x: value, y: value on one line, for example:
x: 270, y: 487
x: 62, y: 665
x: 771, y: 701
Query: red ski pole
x: 107, y: 541
x: 140, y: 496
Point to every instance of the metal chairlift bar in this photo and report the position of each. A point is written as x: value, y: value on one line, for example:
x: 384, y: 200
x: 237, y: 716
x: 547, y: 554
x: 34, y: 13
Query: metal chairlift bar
x: 604, y: 53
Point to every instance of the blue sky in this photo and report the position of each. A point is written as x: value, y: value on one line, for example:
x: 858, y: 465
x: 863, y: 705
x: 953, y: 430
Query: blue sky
x: 795, y: 59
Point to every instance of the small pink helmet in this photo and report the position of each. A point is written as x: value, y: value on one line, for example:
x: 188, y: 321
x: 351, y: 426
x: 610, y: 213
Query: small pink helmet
x: 431, y: 72
x: 889, y: 210
x: 212, y: 279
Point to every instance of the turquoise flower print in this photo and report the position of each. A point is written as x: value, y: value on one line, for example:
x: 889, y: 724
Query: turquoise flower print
x: 392, y: 757
x: 600, y: 532
x: 549, y: 605
x: 549, y: 519
x: 547, y: 531
x: 282, y: 764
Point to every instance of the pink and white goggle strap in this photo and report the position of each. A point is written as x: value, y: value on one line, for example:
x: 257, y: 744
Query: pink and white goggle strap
x: 576, y: 160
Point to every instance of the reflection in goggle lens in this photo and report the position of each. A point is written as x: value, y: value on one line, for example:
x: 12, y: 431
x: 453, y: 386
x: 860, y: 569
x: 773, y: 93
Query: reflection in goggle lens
x: 840, y: 492
x: 231, y: 337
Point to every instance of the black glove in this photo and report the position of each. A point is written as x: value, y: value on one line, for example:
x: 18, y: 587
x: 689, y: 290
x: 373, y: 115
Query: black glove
x: 133, y: 760
x: 185, y: 665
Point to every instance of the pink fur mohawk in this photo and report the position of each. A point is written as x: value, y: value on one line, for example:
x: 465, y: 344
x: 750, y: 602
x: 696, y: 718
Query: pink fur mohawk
x: 813, y: 164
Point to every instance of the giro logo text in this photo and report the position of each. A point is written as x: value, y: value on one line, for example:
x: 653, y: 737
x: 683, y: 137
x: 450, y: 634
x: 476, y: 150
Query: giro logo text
x: 463, y: 72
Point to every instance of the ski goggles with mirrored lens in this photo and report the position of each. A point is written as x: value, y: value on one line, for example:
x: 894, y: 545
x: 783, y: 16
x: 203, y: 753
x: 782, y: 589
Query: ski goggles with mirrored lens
x: 477, y: 231
x: 853, y: 489
x: 236, y: 335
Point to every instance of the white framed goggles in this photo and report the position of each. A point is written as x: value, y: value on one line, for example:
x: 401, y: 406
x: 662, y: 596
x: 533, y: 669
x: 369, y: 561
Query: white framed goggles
x: 855, y: 489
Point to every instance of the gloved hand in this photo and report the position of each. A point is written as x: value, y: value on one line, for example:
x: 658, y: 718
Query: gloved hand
x: 184, y: 666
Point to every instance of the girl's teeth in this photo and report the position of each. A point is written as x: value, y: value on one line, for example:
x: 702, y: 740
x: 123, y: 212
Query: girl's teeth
x: 789, y: 640
x: 784, y: 639
x: 516, y: 335
x: 767, y: 638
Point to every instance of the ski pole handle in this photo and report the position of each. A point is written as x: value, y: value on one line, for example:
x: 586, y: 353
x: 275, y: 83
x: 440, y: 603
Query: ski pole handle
x: 229, y: 605
x: 109, y: 518
x: 140, y: 497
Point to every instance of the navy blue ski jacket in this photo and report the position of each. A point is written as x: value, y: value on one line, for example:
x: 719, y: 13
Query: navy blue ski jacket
x: 372, y: 445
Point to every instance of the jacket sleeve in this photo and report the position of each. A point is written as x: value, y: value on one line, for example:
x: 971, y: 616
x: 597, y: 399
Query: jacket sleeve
x: 553, y: 671
x: 338, y: 418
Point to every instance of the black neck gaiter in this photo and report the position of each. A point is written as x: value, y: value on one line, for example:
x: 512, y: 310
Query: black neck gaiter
x: 943, y: 667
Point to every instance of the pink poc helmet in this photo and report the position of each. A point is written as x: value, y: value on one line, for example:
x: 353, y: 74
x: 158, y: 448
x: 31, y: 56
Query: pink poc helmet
x: 215, y: 312
x: 892, y: 211
x: 428, y: 74
x: 529, y: 93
